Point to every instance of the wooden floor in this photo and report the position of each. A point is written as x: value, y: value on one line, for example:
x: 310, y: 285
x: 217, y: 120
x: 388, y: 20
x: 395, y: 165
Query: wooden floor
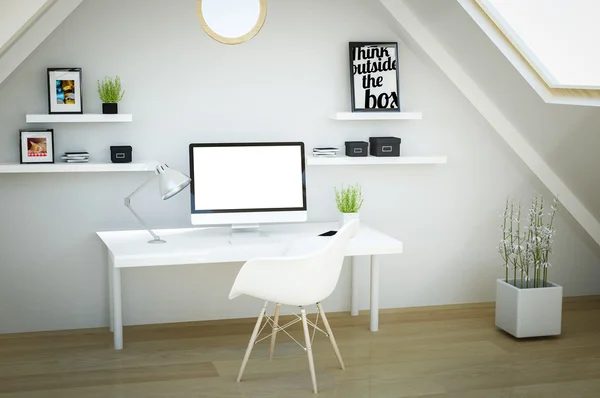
x: 442, y: 352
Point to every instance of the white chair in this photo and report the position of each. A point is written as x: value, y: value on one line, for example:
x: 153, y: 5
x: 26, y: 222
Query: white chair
x: 296, y: 281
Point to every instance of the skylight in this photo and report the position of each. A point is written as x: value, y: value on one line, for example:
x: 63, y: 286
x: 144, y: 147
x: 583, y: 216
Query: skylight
x: 558, y: 38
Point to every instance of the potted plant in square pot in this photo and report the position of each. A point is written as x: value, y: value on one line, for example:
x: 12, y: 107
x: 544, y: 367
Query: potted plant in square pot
x: 349, y: 201
x: 111, y: 93
x: 527, y: 304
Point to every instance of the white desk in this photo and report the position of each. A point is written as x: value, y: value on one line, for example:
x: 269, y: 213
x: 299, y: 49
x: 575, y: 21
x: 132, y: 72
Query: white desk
x: 129, y: 249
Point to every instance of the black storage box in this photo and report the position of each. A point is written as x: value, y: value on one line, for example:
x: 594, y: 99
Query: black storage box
x: 384, y: 146
x: 356, y: 148
x: 120, y: 154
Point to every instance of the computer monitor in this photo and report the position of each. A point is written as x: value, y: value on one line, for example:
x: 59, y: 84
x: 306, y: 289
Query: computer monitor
x: 245, y: 184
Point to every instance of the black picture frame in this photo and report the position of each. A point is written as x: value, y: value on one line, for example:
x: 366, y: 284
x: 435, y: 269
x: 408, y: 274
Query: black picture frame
x: 361, y: 95
x: 43, y: 139
x: 74, y: 78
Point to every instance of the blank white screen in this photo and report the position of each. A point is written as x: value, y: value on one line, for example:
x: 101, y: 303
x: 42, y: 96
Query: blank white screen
x: 247, y: 177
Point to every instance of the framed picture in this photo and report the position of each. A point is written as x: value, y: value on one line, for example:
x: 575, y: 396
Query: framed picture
x: 374, y: 77
x: 37, y: 146
x: 64, y: 90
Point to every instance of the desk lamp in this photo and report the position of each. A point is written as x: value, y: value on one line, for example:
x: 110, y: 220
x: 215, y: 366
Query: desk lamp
x: 170, y: 183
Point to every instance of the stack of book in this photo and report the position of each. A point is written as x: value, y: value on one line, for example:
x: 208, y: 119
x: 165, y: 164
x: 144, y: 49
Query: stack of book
x: 76, y: 157
x: 325, y: 152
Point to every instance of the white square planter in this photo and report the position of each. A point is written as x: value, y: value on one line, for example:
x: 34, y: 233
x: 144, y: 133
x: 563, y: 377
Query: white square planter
x: 347, y: 217
x: 530, y: 312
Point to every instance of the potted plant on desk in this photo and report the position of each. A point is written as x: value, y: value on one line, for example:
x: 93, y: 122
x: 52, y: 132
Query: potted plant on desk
x: 349, y: 201
x: 111, y: 93
x: 527, y: 304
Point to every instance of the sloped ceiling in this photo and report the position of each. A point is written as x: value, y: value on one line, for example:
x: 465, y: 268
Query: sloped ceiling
x: 24, y: 25
x: 16, y: 17
x: 555, y: 141
x: 566, y: 137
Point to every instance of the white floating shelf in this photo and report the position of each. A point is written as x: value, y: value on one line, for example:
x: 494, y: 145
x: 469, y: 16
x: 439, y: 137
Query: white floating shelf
x: 376, y: 116
x: 79, y: 118
x: 373, y: 160
x: 63, y: 167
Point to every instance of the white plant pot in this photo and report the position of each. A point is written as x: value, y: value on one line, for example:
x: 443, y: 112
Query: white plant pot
x: 529, y: 312
x: 347, y: 217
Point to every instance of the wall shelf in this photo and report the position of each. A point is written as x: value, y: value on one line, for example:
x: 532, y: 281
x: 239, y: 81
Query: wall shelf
x: 376, y: 116
x: 63, y: 167
x: 373, y: 160
x: 79, y: 118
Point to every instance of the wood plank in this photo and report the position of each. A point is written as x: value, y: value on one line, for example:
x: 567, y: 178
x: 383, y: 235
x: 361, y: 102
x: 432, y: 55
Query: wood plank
x: 117, y: 375
x: 443, y: 352
x: 575, y: 389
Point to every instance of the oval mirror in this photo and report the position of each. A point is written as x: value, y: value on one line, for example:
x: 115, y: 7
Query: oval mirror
x: 232, y: 21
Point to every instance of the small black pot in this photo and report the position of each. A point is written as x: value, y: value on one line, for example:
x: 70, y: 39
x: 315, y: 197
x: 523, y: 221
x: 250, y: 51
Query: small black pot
x: 110, y: 108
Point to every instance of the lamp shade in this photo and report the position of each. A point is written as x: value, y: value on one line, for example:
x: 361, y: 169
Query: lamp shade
x: 171, y: 182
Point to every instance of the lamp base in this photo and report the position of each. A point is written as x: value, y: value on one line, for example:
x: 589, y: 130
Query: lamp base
x: 157, y: 241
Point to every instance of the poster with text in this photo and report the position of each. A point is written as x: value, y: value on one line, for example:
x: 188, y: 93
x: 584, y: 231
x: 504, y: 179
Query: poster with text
x: 374, y: 77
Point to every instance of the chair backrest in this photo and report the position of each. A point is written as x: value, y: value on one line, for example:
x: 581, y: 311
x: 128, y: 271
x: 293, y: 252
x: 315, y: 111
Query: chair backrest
x: 302, y: 280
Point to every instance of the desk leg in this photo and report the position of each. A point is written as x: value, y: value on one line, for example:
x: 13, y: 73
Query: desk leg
x: 111, y: 312
x: 354, y: 287
x: 117, y: 308
x: 374, y: 293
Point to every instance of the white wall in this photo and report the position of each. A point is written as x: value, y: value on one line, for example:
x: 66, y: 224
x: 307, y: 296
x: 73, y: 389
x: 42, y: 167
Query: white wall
x: 183, y: 87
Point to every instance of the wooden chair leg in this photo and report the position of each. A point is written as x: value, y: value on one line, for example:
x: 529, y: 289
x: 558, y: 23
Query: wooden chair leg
x: 252, y: 341
x: 275, y: 326
x: 331, y: 338
x: 311, y: 364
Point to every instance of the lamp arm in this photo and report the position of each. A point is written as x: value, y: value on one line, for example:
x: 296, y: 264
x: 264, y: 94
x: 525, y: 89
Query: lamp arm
x: 148, y: 181
x: 128, y: 205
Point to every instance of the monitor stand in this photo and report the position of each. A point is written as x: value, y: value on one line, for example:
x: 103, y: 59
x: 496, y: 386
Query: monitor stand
x: 247, y: 234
